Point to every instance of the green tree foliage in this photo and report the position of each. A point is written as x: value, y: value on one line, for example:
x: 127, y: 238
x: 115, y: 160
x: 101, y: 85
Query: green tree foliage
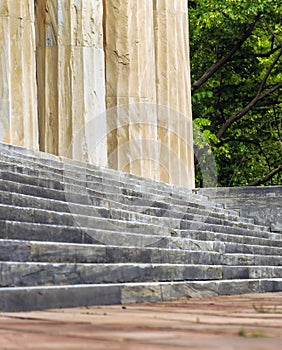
x: 236, y: 49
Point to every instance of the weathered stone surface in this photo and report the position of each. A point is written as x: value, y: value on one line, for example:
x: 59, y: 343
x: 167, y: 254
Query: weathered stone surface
x: 33, y: 274
x: 29, y: 298
x: 131, y: 86
x: 18, y: 96
x: 173, y: 92
x: 136, y: 239
x: 71, y: 83
x: 263, y: 204
x: 147, y: 58
x: 64, y: 88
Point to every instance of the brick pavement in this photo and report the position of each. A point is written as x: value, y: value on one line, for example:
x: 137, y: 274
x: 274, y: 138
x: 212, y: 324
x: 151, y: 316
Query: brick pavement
x: 245, y: 322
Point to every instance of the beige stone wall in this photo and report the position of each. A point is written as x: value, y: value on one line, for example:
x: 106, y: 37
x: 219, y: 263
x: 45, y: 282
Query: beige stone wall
x: 18, y: 100
x: 71, y: 79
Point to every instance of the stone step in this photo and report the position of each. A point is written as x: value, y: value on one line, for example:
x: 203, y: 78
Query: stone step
x: 236, y: 259
x: 102, y: 193
x: 133, y: 223
x: 19, y: 200
x: 34, y: 251
x: 43, y: 161
x: 74, y: 234
x: 275, y: 240
x: 86, y: 199
x: 54, y: 164
x: 99, y: 178
x: 36, y: 298
x: 47, y: 162
x: 10, y: 230
x: 14, y: 230
x: 14, y: 274
x: 251, y: 272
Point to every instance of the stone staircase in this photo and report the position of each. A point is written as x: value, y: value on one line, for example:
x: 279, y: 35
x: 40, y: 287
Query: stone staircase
x: 73, y: 234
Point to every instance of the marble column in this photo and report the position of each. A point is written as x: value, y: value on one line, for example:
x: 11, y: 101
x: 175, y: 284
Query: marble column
x: 173, y: 91
x: 18, y: 100
x: 131, y: 86
x: 71, y: 79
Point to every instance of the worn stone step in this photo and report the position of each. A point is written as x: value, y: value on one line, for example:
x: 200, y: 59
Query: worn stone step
x: 36, y: 274
x: 251, y: 259
x: 38, y: 160
x: 74, y: 199
x: 240, y: 240
x: 151, y: 225
x: 30, y: 231
x: 100, y: 191
x: 251, y: 249
x: 54, y: 233
x: 251, y: 272
x: 40, y: 216
x: 36, y: 251
x: 38, y: 298
x: 99, y: 179
x: 45, y: 160
x: 172, y: 217
x: 15, y: 274
x: 220, y: 229
x: 238, y: 243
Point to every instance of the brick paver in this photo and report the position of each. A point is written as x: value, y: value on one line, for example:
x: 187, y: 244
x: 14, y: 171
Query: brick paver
x: 252, y: 322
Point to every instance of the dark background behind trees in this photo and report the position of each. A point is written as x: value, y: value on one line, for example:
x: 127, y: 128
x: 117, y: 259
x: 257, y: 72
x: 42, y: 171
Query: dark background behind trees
x: 236, y: 49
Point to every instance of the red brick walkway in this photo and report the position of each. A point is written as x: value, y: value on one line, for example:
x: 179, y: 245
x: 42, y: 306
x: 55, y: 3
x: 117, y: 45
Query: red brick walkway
x: 252, y: 322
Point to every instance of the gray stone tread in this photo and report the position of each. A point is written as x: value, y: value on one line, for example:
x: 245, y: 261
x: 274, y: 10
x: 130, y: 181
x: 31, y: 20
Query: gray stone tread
x: 29, y: 165
x: 236, y: 259
x: 131, y: 223
x: 34, y: 274
x: 34, y: 251
x: 56, y: 164
x: 128, y: 203
x: 102, y: 191
x: 198, y: 239
x: 22, y: 200
x: 36, y: 298
x: 74, y: 234
x: 274, y: 240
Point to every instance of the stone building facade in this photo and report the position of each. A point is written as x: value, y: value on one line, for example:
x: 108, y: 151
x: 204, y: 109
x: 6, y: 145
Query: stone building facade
x: 101, y: 81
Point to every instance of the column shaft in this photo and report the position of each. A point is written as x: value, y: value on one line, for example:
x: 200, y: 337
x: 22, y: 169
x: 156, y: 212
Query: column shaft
x: 18, y: 100
x: 173, y: 91
x: 71, y: 79
x: 131, y: 86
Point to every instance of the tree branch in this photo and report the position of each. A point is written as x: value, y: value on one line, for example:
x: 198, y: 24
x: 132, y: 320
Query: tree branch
x: 267, y: 177
x: 215, y: 67
x: 255, y: 100
x: 267, y: 54
x: 275, y: 36
x: 245, y: 110
x: 276, y: 59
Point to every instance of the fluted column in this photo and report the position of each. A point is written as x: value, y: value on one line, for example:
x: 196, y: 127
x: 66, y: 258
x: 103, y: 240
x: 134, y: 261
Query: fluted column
x: 18, y: 101
x: 131, y: 86
x: 173, y: 91
x: 71, y: 79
